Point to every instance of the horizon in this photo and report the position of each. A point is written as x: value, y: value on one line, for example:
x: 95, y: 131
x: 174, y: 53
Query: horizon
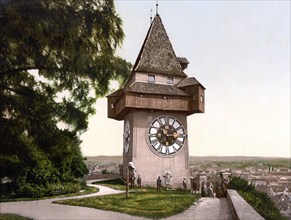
x: 202, y: 156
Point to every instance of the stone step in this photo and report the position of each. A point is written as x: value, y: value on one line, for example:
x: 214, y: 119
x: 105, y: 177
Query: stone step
x: 207, y: 208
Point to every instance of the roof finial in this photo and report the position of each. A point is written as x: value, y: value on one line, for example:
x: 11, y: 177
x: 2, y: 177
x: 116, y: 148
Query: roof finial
x: 151, y: 18
x: 157, y: 8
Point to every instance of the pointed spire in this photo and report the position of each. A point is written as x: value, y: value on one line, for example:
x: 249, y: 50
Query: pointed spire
x: 157, y: 54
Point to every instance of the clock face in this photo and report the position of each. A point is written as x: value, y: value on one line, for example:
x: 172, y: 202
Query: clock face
x: 126, y: 136
x: 166, y: 135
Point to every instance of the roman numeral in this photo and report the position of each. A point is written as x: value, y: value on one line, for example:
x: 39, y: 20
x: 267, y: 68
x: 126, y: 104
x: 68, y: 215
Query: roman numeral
x: 181, y: 135
x: 159, y: 148
x: 179, y: 142
x: 154, y: 142
x: 179, y: 128
x: 171, y: 121
x: 160, y: 121
x: 153, y: 135
x: 176, y: 147
x: 152, y: 126
x: 167, y: 150
x: 166, y: 120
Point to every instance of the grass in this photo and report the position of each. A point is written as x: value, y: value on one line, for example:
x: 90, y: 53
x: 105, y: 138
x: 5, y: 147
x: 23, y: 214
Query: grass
x: 144, y: 202
x: 87, y: 190
x: 12, y: 217
x: 117, y: 184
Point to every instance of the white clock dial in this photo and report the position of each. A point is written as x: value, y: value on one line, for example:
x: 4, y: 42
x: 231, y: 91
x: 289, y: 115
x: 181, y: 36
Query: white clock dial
x: 166, y: 135
x: 126, y: 136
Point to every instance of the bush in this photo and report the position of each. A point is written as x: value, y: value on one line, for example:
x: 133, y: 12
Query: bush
x: 258, y: 200
x: 31, y: 190
x: 104, y: 171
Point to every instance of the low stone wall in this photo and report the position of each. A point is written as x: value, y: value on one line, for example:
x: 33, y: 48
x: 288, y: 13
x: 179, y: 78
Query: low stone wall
x: 241, y: 209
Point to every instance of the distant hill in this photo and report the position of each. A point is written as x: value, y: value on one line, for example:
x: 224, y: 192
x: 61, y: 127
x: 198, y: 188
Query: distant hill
x: 241, y: 161
x: 193, y: 160
x: 104, y: 160
x: 207, y: 159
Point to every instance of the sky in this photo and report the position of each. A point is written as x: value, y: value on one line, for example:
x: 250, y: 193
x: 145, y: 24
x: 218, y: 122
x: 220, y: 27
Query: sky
x: 239, y: 51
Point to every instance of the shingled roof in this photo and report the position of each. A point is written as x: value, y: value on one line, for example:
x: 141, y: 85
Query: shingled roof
x: 150, y: 88
x: 117, y: 93
x: 156, y: 89
x: 157, y: 54
x: 189, y: 81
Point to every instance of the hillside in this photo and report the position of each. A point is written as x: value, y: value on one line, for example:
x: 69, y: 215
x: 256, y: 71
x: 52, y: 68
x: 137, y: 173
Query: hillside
x: 205, y: 161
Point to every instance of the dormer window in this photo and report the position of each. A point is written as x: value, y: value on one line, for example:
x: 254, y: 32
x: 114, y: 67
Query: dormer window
x: 170, y: 80
x: 151, y: 78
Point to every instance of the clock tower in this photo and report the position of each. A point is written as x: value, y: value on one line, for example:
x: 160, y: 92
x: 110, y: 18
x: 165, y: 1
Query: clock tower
x: 154, y: 104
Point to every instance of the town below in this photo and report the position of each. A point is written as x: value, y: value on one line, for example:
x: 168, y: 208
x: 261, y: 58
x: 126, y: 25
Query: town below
x: 270, y: 175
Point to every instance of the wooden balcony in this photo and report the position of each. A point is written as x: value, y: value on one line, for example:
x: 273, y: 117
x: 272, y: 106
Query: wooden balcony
x: 118, y: 107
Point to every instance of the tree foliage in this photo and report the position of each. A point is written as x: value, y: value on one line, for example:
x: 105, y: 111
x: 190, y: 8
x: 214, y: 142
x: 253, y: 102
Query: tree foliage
x: 53, y: 54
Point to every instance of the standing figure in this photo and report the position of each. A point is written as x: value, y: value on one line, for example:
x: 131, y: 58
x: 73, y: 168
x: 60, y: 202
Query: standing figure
x: 138, y: 181
x: 219, y: 192
x: 225, y: 186
x: 159, y: 184
x: 203, y: 189
x: 210, y: 190
x: 184, y: 184
x: 132, y: 180
x: 121, y: 170
x: 194, y: 186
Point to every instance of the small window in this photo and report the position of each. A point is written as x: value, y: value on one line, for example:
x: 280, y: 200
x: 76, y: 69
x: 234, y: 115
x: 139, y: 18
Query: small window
x: 201, y: 98
x: 151, y: 78
x: 170, y: 80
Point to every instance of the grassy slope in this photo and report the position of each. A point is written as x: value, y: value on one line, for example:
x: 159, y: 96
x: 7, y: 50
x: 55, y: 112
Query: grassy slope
x: 147, y: 203
x: 12, y: 217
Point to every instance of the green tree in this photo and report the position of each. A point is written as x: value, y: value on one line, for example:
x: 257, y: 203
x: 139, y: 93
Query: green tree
x: 53, y: 54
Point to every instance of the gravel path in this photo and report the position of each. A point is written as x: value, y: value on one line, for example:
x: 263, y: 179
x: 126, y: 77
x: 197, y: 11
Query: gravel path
x: 205, y: 208
x: 45, y: 209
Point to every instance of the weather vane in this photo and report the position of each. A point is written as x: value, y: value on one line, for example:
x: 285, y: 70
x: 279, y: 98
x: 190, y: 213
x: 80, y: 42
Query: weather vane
x: 157, y: 7
x: 151, y: 18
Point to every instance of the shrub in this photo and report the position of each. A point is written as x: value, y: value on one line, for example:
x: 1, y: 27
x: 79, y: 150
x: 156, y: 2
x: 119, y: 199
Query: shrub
x: 32, y: 190
x: 258, y: 200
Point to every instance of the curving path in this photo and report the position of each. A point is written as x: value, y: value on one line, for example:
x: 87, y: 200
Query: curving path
x: 45, y: 209
x: 205, y: 208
